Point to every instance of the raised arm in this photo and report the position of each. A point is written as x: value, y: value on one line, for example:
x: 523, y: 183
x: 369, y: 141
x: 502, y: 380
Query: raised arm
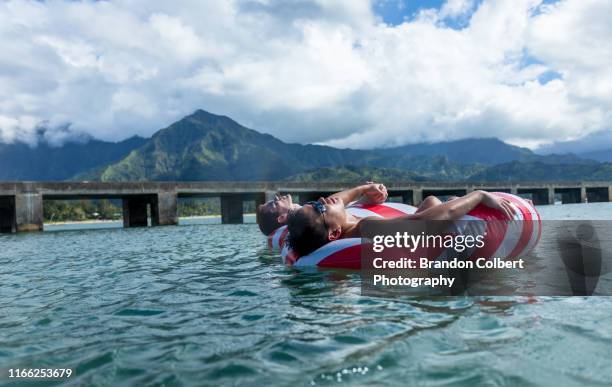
x: 369, y: 193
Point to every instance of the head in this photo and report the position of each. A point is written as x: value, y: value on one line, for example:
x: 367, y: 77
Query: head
x: 316, y: 224
x: 273, y: 213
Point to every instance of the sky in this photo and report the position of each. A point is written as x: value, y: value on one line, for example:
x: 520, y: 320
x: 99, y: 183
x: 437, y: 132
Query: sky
x: 346, y: 73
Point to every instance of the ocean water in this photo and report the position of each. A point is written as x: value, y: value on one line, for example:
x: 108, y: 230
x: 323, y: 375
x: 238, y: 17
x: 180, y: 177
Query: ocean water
x: 206, y: 304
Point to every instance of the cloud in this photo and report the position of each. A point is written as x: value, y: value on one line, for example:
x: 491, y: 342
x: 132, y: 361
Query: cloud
x: 308, y: 71
x: 593, y: 142
x: 456, y: 8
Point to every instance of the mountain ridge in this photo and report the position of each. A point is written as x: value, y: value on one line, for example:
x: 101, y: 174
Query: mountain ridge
x: 20, y: 161
x: 206, y: 146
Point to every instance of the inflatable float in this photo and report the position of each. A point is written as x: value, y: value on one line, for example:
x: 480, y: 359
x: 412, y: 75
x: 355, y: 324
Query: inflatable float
x: 276, y: 240
x: 503, y: 238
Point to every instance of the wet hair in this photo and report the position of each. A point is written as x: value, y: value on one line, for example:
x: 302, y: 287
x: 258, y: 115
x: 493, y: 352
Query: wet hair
x: 306, y: 233
x: 267, y: 218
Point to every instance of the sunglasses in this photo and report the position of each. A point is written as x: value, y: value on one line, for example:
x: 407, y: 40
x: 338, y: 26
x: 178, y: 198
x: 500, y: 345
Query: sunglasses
x: 272, y: 203
x: 321, y: 209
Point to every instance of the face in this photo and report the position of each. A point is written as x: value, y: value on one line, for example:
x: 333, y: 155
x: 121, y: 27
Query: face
x: 282, y: 205
x: 334, y: 215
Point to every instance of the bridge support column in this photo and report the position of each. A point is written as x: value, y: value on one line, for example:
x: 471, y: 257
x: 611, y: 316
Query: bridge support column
x: 28, y: 212
x: 417, y: 197
x: 7, y: 214
x: 539, y: 196
x: 610, y: 193
x: 583, y: 195
x: 263, y: 197
x: 311, y: 196
x: 269, y: 195
x: 260, y: 199
x: 570, y: 195
x: 551, y: 195
x: 135, y: 211
x: 597, y: 194
x: 514, y: 190
x: 408, y: 197
x: 231, y: 209
x: 164, y: 210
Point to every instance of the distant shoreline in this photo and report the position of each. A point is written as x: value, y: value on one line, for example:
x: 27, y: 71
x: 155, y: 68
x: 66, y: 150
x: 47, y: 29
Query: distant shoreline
x: 89, y: 221
x: 103, y: 221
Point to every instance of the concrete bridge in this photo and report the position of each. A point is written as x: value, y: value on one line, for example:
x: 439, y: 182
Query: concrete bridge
x: 21, y: 203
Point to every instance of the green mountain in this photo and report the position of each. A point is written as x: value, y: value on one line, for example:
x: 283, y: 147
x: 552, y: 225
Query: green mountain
x: 601, y: 155
x: 204, y: 146
x: 356, y: 174
x: 19, y: 161
x: 488, y: 151
x: 539, y: 171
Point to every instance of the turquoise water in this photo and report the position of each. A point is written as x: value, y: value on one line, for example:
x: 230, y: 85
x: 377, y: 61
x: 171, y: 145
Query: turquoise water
x: 208, y: 305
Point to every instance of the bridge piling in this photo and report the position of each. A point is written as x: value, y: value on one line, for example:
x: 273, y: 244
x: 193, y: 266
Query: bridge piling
x: 408, y: 197
x: 28, y: 212
x: 7, y: 214
x: 570, y: 195
x: 551, y: 195
x: 163, y: 207
x: 135, y: 211
x: 267, y: 196
x: 417, y: 197
x: 164, y: 210
x: 597, y: 194
x: 231, y: 209
x: 539, y: 196
x: 311, y: 196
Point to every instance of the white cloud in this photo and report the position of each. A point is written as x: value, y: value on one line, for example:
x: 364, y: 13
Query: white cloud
x: 308, y: 71
x: 456, y: 8
x: 18, y: 128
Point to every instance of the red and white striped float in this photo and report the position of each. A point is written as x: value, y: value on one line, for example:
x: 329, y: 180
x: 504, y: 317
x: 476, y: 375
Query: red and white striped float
x: 276, y: 240
x: 504, y: 239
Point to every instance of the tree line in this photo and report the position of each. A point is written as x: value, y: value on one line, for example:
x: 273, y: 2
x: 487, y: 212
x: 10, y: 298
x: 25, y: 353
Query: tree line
x: 105, y: 209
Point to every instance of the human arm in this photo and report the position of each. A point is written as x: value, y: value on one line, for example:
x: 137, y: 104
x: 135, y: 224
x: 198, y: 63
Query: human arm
x: 447, y: 212
x: 456, y: 208
x: 368, y: 193
x: 374, y: 194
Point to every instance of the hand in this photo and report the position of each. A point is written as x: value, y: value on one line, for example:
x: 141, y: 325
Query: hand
x: 375, y: 193
x: 497, y: 203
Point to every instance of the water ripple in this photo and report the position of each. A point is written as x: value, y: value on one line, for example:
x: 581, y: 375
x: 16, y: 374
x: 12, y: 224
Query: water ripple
x: 208, y: 304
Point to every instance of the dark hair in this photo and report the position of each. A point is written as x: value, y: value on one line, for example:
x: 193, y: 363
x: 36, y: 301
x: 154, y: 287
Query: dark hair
x: 306, y: 233
x: 267, y: 218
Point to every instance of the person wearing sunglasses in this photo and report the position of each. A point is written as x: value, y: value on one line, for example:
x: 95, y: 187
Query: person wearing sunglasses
x: 273, y: 214
x: 317, y: 223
